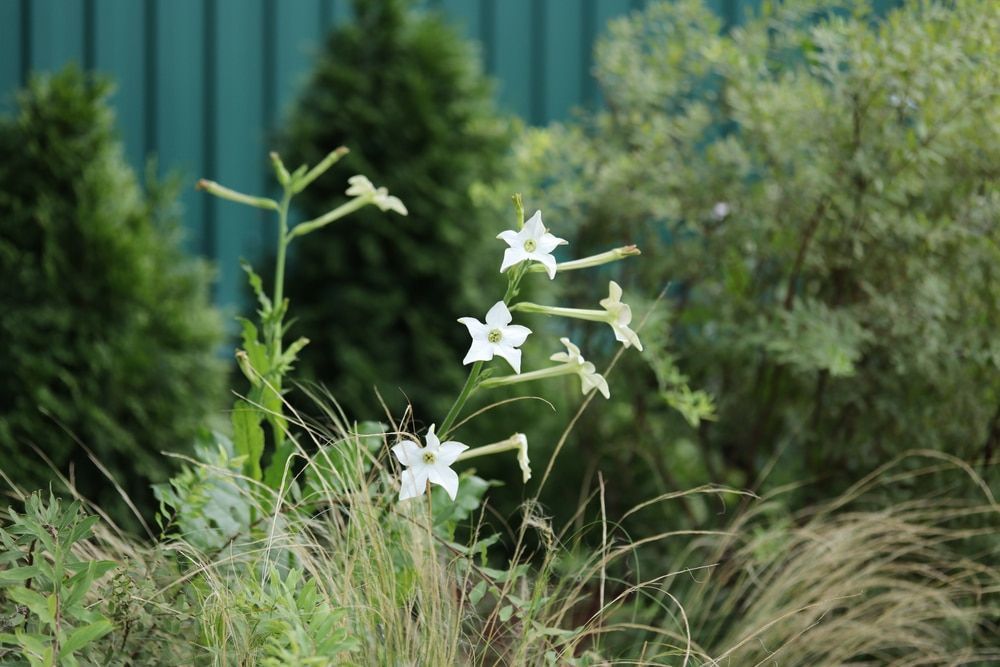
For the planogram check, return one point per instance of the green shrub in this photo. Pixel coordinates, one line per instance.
(108, 338)
(379, 300)
(820, 189)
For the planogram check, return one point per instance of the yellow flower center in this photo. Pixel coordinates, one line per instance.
(494, 336)
(429, 457)
(530, 245)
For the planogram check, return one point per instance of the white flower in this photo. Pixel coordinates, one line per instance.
(360, 186)
(430, 463)
(387, 202)
(521, 440)
(589, 377)
(518, 441)
(496, 337)
(533, 243)
(619, 316)
(721, 210)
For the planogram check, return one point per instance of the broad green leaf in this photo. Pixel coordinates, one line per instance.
(15, 574)
(33, 600)
(80, 637)
(248, 437)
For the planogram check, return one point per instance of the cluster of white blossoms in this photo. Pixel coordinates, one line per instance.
(529, 250)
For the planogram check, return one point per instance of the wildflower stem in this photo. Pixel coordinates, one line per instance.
(576, 313)
(594, 260)
(336, 214)
(540, 374)
(507, 445)
(456, 408)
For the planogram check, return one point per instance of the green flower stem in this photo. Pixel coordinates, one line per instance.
(336, 214)
(319, 169)
(576, 313)
(507, 445)
(223, 192)
(540, 374)
(588, 262)
(456, 408)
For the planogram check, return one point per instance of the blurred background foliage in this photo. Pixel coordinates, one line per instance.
(379, 297)
(819, 190)
(108, 336)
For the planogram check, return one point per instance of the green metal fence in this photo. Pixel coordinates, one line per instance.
(201, 83)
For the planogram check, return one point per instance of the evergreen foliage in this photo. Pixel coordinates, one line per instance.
(820, 188)
(108, 337)
(380, 298)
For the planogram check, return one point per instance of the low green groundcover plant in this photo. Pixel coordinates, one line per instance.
(108, 338)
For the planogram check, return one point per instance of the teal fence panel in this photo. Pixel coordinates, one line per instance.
(201, 84)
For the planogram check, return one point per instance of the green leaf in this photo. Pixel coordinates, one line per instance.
(477, 593)
(15, 574)
(248, 437)
(85, 635)
(257, 284)
(33, 600)
(256, 350)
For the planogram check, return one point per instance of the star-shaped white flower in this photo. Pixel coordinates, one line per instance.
(532, 243)
(360, 186)
(589, 377)
(496, 337)
(619, 316)
(430, 463)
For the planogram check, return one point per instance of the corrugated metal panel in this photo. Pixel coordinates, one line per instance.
(201, 83)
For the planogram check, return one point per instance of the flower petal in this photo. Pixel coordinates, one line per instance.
(548, 261)
(498, 316)
(512, 257)
(572, 349)
(534, 226)
(515, 334)
(449, 451)
(549, 242)
(408, 452)
(480, 350)
(511, 238)
(413, 482)
(626, 336)
(614, 295)
(511, 354)
(476, 328)
(431, 440)
(444, 476)
(522, 457)
(359, 185)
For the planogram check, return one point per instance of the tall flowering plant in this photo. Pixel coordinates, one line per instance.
(265, 359)
(529, 250)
